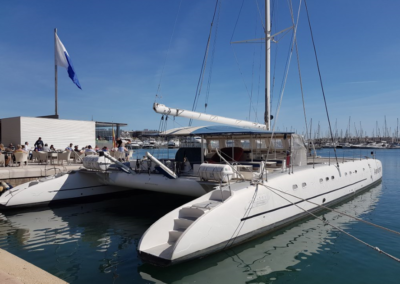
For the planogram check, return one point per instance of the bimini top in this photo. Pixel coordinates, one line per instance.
(216, 130)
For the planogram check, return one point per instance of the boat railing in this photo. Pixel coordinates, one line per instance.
(233, 168)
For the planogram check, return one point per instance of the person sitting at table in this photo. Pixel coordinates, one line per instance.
(28, 150)
(10, 148)
(46, 148)
(6, 157)
(97, 149)
(69, 148)
(27, 147)
(76, 149)
(105, 149)
(19, 150)
(52, 148)
(38, 148)
(89, 150)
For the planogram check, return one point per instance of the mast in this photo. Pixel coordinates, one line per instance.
(55, 71)
(267, 116)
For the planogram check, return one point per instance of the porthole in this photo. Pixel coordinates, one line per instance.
(363, 169)
(333, 177)
(327, 178)
(303, 184)
(345, 174)
(321, 180)
(295, 186)
(355, 171)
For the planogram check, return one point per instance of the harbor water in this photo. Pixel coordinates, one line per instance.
(96, 241)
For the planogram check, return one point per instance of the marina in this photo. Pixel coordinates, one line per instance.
(222, 191)
(97, 241)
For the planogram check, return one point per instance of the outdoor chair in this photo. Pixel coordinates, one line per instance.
(77, 157)
(64, 156)
(35, 156)
(21, 158)
(43, 157)
(2, 160)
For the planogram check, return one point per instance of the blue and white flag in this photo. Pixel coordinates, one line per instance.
(63, 59)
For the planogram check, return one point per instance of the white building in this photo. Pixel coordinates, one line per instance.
(57, 132)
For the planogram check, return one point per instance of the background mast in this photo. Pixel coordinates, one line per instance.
(55, 70)
(267, 115)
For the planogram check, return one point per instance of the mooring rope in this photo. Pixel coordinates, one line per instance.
(326, 222)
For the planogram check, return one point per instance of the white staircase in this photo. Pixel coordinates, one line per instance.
(186, 217)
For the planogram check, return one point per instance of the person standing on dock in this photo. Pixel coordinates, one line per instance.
(38, 143)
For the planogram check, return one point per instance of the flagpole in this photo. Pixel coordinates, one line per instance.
(55, 69)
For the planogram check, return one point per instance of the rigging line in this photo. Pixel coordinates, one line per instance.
(275, 59)
(166, 56)
(301, 81)
(252, 75)
(336, 227)
(285, 79)
(159, 126)
(322, 86)
(260, 15)
(234, 52)
(241, 73)
(212, 59)
(339, 212)
(237, 20)
(259, 82)
(203, 67)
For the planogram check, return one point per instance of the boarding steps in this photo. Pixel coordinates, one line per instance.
(186, 217)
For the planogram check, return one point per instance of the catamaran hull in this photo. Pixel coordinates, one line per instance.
(148, 258)
(76, 185)
(250, 211)
(159, 183)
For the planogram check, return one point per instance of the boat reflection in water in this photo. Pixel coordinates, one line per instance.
(86, 242)
(97, 242)
(266, 259)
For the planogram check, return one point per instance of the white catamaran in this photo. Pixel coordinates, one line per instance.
(248, 180)
(259, 183)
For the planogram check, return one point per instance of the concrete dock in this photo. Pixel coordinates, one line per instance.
(14, 270)
(17, 175)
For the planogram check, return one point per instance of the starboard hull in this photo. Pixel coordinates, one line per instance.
(253, 211)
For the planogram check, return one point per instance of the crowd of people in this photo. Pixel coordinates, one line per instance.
(40, 146)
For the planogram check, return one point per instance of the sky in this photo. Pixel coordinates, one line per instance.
(127, 52)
